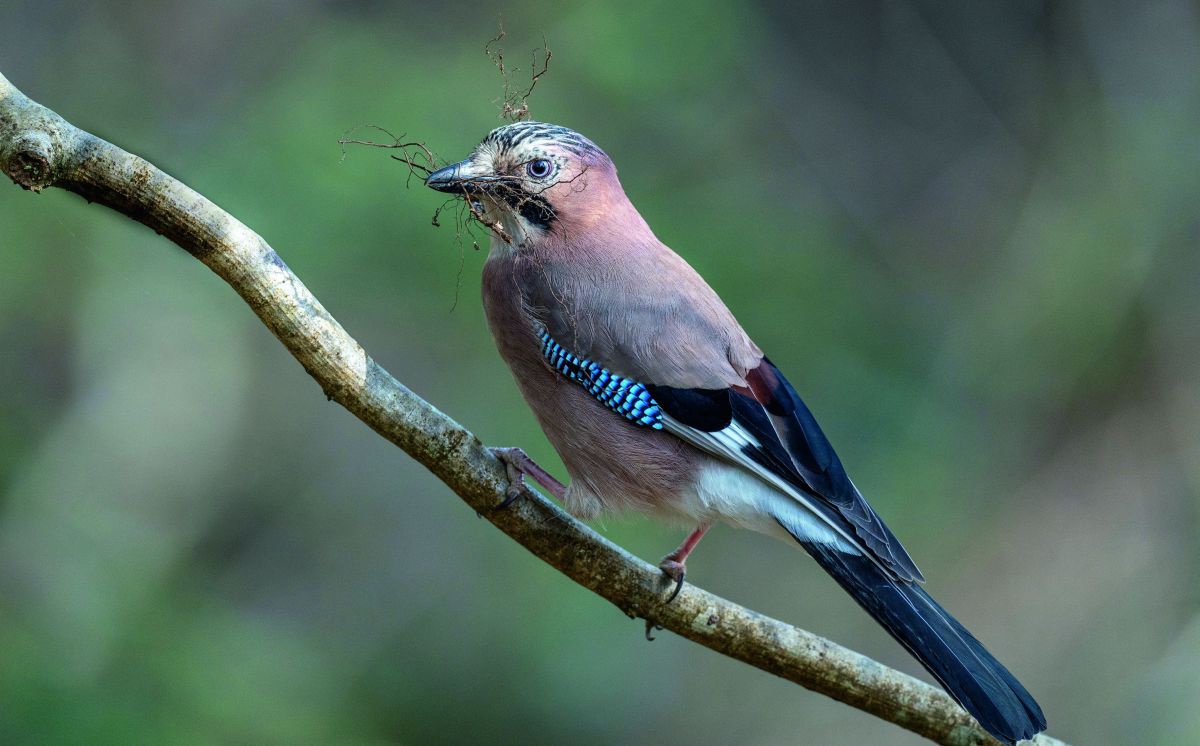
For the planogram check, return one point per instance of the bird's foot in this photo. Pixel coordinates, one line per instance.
(673, 564)
(518, 465)
(676, 571)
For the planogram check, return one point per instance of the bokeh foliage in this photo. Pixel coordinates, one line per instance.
(968, 232)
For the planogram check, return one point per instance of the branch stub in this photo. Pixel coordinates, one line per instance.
(30, 161)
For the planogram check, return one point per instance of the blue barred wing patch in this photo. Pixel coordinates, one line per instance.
(624, 396)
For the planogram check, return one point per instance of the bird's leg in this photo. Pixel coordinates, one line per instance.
(519, 465)
(674, 564)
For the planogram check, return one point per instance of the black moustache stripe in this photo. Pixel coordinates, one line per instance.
(533, 207)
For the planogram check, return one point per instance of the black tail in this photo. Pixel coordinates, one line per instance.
(947, 650)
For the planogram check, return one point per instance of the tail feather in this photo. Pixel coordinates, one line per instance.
(975, 679)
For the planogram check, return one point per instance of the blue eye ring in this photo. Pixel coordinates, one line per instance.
(539, 168)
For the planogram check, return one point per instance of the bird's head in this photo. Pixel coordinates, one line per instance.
(532, 180)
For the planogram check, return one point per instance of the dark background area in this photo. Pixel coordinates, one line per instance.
(967, 231)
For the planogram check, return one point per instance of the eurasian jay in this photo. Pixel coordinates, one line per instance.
(658, 401)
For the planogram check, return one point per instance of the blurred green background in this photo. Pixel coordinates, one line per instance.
(967, 231)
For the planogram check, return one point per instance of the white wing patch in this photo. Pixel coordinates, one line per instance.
(747, 500)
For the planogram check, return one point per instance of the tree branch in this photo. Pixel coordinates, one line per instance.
(39, 149)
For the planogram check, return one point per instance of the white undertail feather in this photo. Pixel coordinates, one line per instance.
(728, 493)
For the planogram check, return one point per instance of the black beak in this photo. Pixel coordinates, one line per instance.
(450, 178)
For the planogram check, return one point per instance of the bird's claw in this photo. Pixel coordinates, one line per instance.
(650, 627)
(517, 465)
(515, 491)
(676, 571)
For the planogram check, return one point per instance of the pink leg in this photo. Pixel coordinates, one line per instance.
(519, 465)
(674, 564)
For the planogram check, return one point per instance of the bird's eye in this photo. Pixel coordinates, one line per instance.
(539, 168)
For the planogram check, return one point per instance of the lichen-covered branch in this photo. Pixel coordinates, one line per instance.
(39, 149)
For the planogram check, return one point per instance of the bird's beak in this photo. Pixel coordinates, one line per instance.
(452, 178)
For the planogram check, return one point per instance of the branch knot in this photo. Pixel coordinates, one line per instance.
(29, 162)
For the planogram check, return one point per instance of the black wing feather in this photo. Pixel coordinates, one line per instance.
(789, 442)
(822, 470)
(708, 410)
(809, 447)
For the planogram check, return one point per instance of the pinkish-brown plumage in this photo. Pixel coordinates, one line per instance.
(603, 285)
(612, 465)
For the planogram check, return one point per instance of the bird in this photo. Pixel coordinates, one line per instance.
(657, 400)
